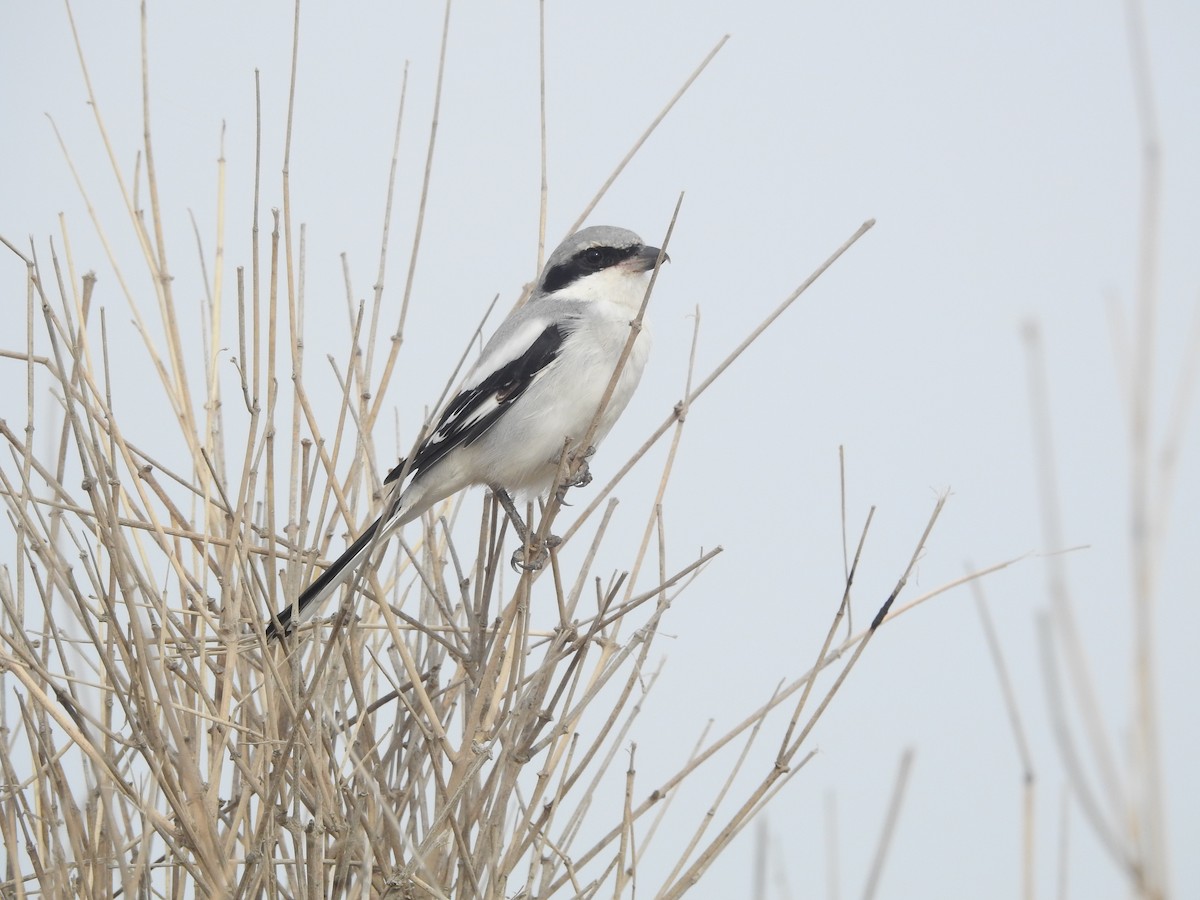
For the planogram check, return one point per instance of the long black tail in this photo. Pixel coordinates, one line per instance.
(342, 569)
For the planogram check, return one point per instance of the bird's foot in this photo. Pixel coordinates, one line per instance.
(539, 551)
(582, 476)
(539, 555)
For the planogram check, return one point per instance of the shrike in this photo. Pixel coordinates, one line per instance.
(534, 391)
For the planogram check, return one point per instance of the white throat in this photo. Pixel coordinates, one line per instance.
(616, 285)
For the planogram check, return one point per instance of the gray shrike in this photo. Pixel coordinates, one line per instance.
(536, 389)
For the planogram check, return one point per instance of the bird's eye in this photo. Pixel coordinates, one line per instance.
(594, 257)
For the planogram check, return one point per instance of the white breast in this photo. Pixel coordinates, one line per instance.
(561, 404)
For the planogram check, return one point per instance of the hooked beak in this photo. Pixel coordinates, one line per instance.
(645, 259)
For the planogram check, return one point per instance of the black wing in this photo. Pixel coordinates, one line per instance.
(475, 410)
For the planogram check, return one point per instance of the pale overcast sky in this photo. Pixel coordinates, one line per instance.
(997, 147)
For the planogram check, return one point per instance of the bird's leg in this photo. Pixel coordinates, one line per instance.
(525, 533)
(514, 516)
